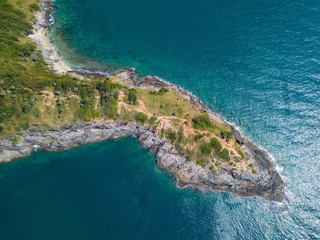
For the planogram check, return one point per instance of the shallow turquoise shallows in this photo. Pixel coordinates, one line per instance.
(257, 63)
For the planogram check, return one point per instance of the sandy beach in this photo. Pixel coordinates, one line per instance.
(39, 36)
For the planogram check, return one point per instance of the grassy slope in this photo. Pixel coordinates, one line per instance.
(32, 96)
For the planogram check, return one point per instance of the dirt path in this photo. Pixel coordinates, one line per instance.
(164, 121)
(96, 103)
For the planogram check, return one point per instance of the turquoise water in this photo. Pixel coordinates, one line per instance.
(113, 190)
(257, 63)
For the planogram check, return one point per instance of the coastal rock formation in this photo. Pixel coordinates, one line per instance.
(267, 179)
(267, 183)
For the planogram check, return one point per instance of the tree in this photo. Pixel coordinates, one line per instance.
(141, 117)
(202, 122)
(132, 98)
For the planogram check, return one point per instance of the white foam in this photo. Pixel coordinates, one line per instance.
(36, 147)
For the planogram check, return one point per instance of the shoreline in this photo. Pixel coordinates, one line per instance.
(39, 36)
(45, 20)
(267, 184)
(187, 174)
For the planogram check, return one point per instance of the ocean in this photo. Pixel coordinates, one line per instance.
(257, 63)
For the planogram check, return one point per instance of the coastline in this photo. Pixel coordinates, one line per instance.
(187, 175)
(39, 36)
(267, 183)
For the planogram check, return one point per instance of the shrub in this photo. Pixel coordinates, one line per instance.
(163, 90)
(188, 158)
(34, 7)
(224, 154)
(215, 144)
(25, 126)
(132, 97)
(202, 122)
(201, 163)
(206, 148)
(180, 134)
(171, 135)
(141, 117)
(197, 138)
(226, 134)
(16, 140)
(152, 119)
(241, 154)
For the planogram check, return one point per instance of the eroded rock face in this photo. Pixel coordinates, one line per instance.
(267, 183)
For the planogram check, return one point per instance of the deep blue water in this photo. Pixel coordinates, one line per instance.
(113, 190)
(257, 63)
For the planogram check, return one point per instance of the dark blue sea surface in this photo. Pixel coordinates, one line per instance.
(257, 63)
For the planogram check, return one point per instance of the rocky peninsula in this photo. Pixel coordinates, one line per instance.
(199, 148)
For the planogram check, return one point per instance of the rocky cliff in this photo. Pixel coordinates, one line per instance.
(266, 182)
(187, 174)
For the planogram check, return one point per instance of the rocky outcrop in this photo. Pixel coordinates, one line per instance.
(267, 183)
(154, 82)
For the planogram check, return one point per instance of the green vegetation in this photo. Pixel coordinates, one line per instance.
(202, 122)
(197, 138)
(152, 119)
(180, 135)
(34, 7)
(171, 135)
(33, 97)
(205, 148)
(132, 96)
(224, 154)
(168, 104)
(243, 157)
(16, 140)
(201, 163)
(215, 144)
(239, 151)
(141, 117)
(24, 76)
(226, 134)
(162, 91)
